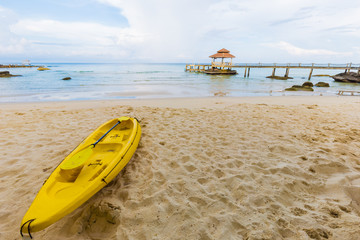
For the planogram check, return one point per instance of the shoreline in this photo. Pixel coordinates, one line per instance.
(283, 167)
(191, 102)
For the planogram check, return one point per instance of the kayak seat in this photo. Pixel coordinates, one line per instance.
(71, 167)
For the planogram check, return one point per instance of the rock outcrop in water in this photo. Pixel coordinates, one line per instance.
(299, 88)
(322, 84)
(307, 86)
(350, 77)
(279, 77)
(7, 74)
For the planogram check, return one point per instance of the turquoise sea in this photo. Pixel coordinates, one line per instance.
(120, 81)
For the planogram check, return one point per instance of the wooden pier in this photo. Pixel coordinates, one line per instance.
(216, 67)
(197, 67)
(247, 67)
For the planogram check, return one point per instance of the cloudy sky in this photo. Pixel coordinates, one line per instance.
(186, 31)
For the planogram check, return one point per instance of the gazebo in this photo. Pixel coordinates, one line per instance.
(219, 67)
(222, 53)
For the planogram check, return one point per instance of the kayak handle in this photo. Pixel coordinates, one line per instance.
(94, 144)
(30, 221)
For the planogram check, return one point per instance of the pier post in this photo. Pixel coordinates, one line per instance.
(310, 74)
(273, 72)
(245, 72)
(248, 74)
(287, 72)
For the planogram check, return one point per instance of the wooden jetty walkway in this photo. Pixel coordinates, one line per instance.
(247, 67)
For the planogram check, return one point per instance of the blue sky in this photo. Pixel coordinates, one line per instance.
(320, 31)
(67, 10)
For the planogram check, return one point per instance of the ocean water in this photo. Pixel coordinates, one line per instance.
(124, 81)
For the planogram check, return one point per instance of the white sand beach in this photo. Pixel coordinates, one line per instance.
(208, 168)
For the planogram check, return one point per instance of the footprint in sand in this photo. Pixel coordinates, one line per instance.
(99, 221)
(353, 191)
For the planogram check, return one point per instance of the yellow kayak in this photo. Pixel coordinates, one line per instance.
(86, 170)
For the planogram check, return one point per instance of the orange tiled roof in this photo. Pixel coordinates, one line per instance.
(222, 53)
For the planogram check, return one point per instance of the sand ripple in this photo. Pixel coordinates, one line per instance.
(244, 171)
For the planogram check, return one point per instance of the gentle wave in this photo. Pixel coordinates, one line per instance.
(111, 81)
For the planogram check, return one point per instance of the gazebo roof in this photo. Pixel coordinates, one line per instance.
(222, 53)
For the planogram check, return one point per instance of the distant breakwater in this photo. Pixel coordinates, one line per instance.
(17, 66)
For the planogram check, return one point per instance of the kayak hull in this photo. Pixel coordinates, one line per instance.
(85, 171)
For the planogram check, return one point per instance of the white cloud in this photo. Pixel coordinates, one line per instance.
(188, 30)
(293, 50)
(74, 33)
(174, 27)
(9, 43)
(195, 29)
(13, 46)
(47, 37)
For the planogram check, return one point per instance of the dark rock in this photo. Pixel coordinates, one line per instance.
(299, 88)
(4, 73)
(7, 74)
(322, 84)
(308, 84)
(306, 89)
(351, 77)
(279, 78)
(66, 78)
